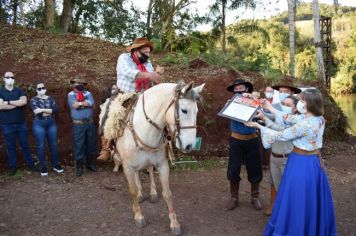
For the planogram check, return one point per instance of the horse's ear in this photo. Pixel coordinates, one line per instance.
(199, 89)
(187, 88)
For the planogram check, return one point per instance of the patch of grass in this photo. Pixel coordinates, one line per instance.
(190, 163)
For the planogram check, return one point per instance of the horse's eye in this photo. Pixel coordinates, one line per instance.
(184, 111)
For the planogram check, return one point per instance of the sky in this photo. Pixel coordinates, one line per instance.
(269, 10)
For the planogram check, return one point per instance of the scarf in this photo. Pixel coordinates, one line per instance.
(140, 83)
(79, 95)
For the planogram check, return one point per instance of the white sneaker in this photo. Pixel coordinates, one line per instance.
(58, 169)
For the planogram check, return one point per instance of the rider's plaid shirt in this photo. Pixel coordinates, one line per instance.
(126, 72)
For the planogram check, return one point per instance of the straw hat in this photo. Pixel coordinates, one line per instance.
(140, 42)
(78, 80)
(287, 82)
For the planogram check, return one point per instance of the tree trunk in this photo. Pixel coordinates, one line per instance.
(291, 26)
(318, 43)
(148, 22)
(14, 10)
(50, 13)
(66, 17)
(223, 28)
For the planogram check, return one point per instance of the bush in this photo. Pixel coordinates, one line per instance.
(345, 80)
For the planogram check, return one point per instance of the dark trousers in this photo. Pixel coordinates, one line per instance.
(11, 133)
(42, 130)
(84, 141)
(246, 151)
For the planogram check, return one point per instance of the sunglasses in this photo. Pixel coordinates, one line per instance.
(42, 88)
(9, 77)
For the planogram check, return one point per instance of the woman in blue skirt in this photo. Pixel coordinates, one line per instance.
(304, 204)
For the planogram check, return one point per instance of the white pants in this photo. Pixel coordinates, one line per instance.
(277, 166)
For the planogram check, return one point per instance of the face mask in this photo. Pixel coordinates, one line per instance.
(79, 87)
(283, 96)
(286, 110)
(269, 95)
(9, 82)
(143, 58)
(41, 92)
(301, 107)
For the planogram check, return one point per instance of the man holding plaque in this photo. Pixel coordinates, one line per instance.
(244, 146)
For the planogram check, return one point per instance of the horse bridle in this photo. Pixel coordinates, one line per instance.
(169, 135)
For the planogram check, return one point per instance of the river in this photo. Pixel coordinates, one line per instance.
(348, 106)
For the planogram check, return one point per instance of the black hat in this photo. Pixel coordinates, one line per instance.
(287, 82)
(248, 85)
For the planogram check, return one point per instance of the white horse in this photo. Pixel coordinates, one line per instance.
(163, 107)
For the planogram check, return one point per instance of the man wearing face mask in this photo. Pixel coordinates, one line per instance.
(12, 122)
(285, 88)
(81, 104)
(135, 72)
(244, 146)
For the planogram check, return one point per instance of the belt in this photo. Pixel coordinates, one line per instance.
(305, 152)
(84, 121)
(44, 118)
(280, 155)
(243, 136)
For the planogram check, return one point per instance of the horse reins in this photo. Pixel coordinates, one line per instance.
(169, 135)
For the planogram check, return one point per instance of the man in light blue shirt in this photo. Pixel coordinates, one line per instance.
(81, 104)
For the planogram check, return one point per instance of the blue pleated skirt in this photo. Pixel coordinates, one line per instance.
(304, 204)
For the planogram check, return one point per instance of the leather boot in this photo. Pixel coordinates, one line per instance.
(105, 153)
(79, 167)
(268, 211)
(234, 199)
(255, 201)
(90, 164)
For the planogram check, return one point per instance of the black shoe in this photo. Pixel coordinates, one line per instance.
(58, 169)
(13, 171)
(90, 165)
(79, 166)
(44, 171)
(31, 168)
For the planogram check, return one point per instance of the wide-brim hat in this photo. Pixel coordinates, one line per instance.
(140, 42)
(248, 85)
(287, 82)
(78, 80)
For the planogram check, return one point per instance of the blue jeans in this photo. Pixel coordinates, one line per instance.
(11, 133)
(43, 129)
(84, 141)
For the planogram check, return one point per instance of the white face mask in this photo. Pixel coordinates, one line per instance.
(301, 107)
(9, 82)
(283, 96)
(41, 92)
(269, 95)
(286, 110)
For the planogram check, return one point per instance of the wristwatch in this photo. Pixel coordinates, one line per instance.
(80, 104)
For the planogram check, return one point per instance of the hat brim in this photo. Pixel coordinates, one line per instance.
(248, 85)
(139, 45)
(294, 89)
(75, 81)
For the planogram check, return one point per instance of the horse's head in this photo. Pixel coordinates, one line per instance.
(185, 116)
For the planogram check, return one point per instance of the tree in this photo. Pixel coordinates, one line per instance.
(67, 13)
(50, 13)
(218, 11)
(291, 29)
(318, 43)
(148, 21)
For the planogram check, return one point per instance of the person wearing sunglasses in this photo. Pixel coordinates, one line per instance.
(12, 122)
(44, 127)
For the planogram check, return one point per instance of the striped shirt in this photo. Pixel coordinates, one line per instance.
(127, 71)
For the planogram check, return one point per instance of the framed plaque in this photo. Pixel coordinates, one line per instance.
(240, 108)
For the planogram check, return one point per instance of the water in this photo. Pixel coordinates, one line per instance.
(348, 106)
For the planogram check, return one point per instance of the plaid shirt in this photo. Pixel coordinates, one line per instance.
(127, 71)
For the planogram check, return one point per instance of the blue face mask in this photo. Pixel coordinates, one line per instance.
(283, 96)
(286, 110)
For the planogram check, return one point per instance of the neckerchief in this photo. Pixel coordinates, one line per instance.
(143, 83)
(79, 95)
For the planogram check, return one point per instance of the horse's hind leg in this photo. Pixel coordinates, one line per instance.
(140, 196)
(130, 176)
(117, 162)
(153, 189)
(167, 195)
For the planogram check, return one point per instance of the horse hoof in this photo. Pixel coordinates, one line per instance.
(141, 199)
(176, 231)
(153, 198)
(140, 223)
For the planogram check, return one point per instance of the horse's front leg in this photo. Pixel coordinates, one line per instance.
(117, 162)
(140, 196)
(167, 195)
(130, 176)
(153, 189)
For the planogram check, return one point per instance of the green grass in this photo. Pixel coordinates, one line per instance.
(190, 163)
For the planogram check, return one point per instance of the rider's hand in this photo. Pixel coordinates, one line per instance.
(159, 70)
(155, 78)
